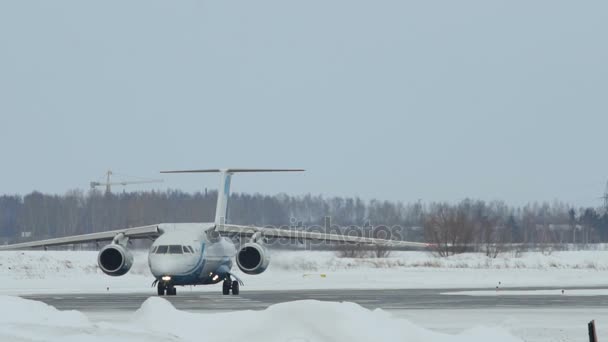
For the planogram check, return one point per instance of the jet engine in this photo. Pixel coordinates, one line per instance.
(252, 258)
(115, 260)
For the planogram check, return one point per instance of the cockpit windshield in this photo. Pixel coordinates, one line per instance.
(173, 249)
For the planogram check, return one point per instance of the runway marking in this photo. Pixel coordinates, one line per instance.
(507, 292)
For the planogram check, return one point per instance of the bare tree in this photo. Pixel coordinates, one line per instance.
(381, 251)
(449, 229)
(351, 250)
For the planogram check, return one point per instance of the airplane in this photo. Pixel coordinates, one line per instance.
(185, 254)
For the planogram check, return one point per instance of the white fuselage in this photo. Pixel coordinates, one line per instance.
(187, 256)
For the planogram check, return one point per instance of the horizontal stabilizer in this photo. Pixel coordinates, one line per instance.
(221, 209)
(233, 170)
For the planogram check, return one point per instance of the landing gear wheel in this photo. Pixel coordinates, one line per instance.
(171, 291)
(235, 287)
(226, 287)
(161, 289)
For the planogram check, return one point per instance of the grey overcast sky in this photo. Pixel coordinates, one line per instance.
(398, 100)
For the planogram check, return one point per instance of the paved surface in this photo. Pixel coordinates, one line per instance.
(411, 299)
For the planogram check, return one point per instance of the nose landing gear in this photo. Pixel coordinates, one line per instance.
(169, 289)
(230, 285)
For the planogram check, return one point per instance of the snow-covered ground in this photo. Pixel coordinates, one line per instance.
(158, 320)
(77, 271)
(71, 271)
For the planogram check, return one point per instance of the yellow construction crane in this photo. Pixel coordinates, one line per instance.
(109, 183)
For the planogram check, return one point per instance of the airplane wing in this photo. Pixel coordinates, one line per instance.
(132, 233)
(304, 235)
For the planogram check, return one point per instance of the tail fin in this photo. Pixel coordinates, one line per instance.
(221, 210)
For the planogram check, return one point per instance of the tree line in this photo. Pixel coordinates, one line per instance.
(454, 226)
(492, 227)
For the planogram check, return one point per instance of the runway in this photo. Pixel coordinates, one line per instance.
(410, 299)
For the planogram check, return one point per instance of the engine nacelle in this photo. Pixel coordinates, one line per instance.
(252, 258)
(115, 260)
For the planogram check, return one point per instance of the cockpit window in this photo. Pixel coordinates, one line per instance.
(175, 249)
(172, 249)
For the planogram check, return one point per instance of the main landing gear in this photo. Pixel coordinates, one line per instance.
(168, 288)
(230, 285)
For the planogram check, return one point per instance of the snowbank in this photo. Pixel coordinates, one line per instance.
(315, 261)
(76, 271)
(66, 271)
(158, 320)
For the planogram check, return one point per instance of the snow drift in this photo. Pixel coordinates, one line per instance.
(158, 320)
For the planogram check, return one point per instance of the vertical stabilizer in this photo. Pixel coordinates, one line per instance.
(223, 193)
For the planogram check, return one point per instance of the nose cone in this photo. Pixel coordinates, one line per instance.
(160, 268)
(167, 266)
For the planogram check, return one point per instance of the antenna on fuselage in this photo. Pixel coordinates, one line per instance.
(221, 209)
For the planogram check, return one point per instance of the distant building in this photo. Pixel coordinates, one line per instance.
(558, 227)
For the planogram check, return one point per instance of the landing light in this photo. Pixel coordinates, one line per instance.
(215, 277)
(166, 278)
